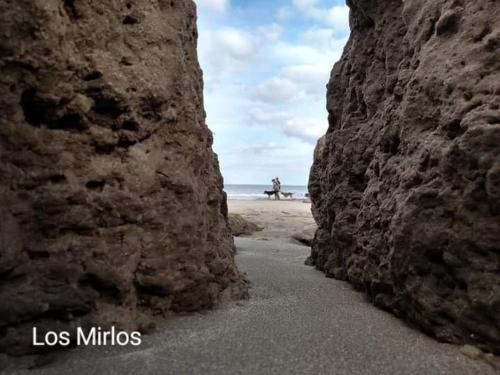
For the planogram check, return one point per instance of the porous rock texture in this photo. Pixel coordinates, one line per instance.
(241, 226)
(406, 183)
(112, 209)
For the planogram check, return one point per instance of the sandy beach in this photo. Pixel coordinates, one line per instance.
(280, 219)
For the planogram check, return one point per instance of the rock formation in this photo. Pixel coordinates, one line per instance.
(406, 183)
(112, 210)
(241, 226)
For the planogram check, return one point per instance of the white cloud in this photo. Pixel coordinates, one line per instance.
(284, 13)
(292, 101)
(306, 129)
(265, 117)
(295, 53)
(278, 90)
(319, 37)
(218, 5)
(305, 5)
(262, 148)
(312, 78)
(270, 33)
(305, 68)
(227, 49)
(235, 43)
(336, 17)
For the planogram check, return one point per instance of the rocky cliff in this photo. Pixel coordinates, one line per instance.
(406, 183)
(112, 210)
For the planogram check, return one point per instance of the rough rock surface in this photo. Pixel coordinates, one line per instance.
(406, 182)
(305, 236)
(241, 226)
(111, 202)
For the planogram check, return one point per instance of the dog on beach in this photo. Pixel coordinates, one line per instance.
(269, 193)
(287, 195)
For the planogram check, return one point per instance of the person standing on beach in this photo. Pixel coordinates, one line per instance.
(276, 188)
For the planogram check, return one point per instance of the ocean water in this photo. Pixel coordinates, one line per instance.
(252, 192)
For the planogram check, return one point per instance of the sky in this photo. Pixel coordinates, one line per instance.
(266, 64)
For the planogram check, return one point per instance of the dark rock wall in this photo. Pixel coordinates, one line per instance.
(406, 183)
(111, 202)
